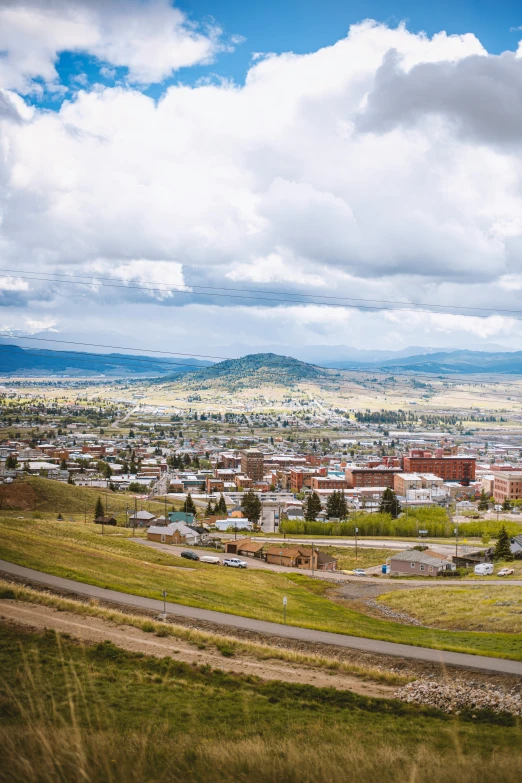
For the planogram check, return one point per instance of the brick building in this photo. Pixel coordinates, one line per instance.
(371, 477)
(448, 468)
(507, 485)
(327, 482)
(253, 464)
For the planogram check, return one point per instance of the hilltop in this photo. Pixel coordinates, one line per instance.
(256, 370)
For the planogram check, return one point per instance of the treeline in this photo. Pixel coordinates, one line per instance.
(437, 524)
(399, 417)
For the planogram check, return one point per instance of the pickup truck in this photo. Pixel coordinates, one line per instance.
(234, 562)
(506, 572)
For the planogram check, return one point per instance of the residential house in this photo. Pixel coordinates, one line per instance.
(141, 518)
(176, 533)
(244, 547)
(300, 557)
(414, 563)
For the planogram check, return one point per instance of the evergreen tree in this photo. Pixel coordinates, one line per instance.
(336, 505)
(186, 460)
(502, 547)
(63, 464)
(312, 507)
(209, 511)
(221, 506)
(506, 505)
(390, 503)
(189, 506)
(195, 462)
(99, 510)
(251, 506)
(483, 502)
(11, 462)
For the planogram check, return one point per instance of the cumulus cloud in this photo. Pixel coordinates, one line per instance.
(150, 38)
(365, 169)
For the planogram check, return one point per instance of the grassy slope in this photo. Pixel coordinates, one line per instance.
(470, 608)
(97, 713)
(78, 551)
(45, 495)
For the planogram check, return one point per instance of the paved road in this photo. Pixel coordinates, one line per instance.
(443, 657)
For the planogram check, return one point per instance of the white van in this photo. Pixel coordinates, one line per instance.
(484, 569)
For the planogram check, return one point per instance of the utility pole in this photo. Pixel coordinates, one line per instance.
(356, 531)
(456, 542)
(312, 558)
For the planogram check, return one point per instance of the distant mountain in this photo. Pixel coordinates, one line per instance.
(256, 370)
(464, 362)
(37, 362)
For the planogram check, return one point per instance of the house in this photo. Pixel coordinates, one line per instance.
(105, 520)
(181, 516)
(141, 518)
(414, 563)
(472, 559)
(244, 547)
(300, 557)
(176, 533)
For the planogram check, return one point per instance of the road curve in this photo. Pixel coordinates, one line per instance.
(443, 657)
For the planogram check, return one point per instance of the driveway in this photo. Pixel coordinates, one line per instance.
(443, 657)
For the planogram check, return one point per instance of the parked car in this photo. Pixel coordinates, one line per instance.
(483, 569)
(359, 572)
(234, 562)
(210, 559)
(190, 555)
(506, 572)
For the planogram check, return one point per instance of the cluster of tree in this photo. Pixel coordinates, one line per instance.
(11, 462)
(336, 506)
(219, 509)
(251, 507)
(390, 503)
(181, 462)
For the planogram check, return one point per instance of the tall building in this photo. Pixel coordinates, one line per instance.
(253, 464)
(507, 485)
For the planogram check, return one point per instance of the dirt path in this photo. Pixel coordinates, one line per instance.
(94, 629)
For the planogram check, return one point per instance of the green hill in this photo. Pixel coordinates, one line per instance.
(40, 494)
(255, 370)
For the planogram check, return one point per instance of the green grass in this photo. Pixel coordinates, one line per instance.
(80, 552)
(102, 715)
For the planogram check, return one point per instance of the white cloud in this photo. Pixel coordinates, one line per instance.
(149, 37)
(277, 181)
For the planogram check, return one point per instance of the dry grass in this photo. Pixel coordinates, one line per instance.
(484, 608)
(199, 638)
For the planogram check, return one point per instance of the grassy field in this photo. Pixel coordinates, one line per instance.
(35, 493)
(98, 714)
(481, 608)
(81, 552)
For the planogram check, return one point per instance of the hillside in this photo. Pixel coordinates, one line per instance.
(256, 370)
(36, 362)
(40, 494)
(445, 362)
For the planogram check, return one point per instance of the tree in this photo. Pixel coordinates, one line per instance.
(336, 505)
(188, 505)
(209, 510)
(390, 503)
(483, 502)
(221, 506)
(251, 506)
(312, 507)
(11, 462)
(63, 464)
(506, 505)
(502, 549)
(99, 510)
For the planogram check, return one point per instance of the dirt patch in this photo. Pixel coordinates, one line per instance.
(93, 630)
(18, 496)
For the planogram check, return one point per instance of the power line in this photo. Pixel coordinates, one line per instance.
(412, 307)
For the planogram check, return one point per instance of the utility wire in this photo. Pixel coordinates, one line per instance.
(412, 307)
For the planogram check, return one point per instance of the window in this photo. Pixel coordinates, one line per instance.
(413, 565)
(422, 567)
(430, 568)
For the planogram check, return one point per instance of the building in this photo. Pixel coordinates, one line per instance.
(404, 482)
(300, 557)
(371, 477)
(176, 533)
(460, 469)
(233, 523)
(327, 482)
(141, 518)
(415, 563)
(215, 485)
(253, 464)
(507, 485)
(182, 516)
(244, 547)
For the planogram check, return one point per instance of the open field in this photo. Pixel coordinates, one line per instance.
(80, 552)
(481, 608)
(98, 713)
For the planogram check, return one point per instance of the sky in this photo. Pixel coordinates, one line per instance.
(223, 177)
